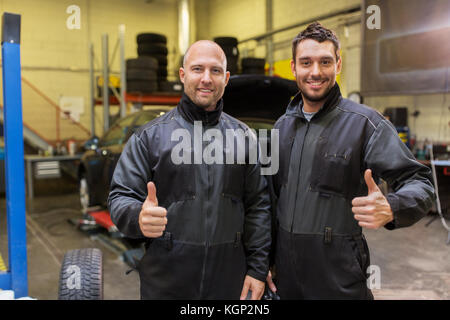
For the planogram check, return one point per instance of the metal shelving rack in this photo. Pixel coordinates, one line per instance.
(122, 99)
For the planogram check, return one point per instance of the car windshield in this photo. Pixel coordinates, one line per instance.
(118, 131)
(258, 124)
(149, 115)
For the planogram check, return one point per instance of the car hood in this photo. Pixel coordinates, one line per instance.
(258, 96)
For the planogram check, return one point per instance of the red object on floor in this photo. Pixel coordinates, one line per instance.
(103, 219)
(447, 171)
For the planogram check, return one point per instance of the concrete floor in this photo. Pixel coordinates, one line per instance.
(50, 236)
(414, 263)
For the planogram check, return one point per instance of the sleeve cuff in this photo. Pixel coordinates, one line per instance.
(257, 276)
(393, 201)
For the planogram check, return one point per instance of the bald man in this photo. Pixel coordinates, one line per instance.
(206, 221)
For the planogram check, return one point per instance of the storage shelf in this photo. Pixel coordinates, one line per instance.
(158, 98)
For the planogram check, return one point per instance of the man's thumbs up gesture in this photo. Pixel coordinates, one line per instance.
(372, 211)
(152, 219)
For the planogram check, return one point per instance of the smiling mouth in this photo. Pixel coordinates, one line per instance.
(315, 83)
(207, 91)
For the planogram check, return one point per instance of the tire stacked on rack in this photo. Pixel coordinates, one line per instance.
(154, 45)
(253, 66)
(142, 75)
(171, 86)
(229, 46)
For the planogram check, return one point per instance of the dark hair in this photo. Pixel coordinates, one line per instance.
(316, 32)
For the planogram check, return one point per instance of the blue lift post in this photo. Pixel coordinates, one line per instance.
(16, 276)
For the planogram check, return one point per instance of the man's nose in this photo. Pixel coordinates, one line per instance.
(315, 70)
(206, 76)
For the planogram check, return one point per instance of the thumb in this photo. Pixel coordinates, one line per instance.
(371, 185)
(270, 283)
(245, 288)
(151, 196)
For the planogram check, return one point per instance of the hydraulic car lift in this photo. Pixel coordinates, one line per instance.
(97, 220)
(16, 277)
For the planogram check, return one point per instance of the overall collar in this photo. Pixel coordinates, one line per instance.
(191, 112)
(295, 106)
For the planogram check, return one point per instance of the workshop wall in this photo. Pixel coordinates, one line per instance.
(433, 122)
(245, 19)
(56, 61)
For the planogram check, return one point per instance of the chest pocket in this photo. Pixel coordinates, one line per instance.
(332, 172)
(234, 180)
(174, 182)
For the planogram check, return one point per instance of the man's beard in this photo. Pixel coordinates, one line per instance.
(319, 98)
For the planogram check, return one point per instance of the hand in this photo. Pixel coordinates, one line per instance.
(152, 219)
(256, 286)
(372, 211)
(270, 282)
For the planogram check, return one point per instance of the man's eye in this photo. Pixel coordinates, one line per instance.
(326, 62)
(305, 63)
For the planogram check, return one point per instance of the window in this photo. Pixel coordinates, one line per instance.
(117, 133)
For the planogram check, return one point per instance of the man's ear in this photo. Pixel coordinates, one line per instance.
(293, 68)
(339, 65)
(227, 77)
(182, 74)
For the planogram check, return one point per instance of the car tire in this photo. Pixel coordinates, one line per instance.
(83, 188)
(142, 74)
(144, 62)
(253, 63)
(226, 41)
(139, 86)
(152, 48)
(162, 59)
(170, 86)
(162, 72)
(230, 52)
(151, 38)
(81, 276)
(253, 71)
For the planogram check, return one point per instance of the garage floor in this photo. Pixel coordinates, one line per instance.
(414, 262)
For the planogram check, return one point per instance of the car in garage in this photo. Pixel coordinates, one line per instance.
(254, 99)
(98, 162)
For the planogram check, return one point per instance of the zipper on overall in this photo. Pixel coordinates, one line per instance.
(207, 244)
(298, 176)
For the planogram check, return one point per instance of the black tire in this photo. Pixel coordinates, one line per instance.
(231, 51)
(233, 70)
(232, 64)
(162, 59)
(226, 41)
(253, 71)
(151, 38)
(141, 74)
(170, 86)
(137, 86)
(152, 48)
(86, 200)
(144, 62)
(162, 72)
(253, 63)
(81, 276)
